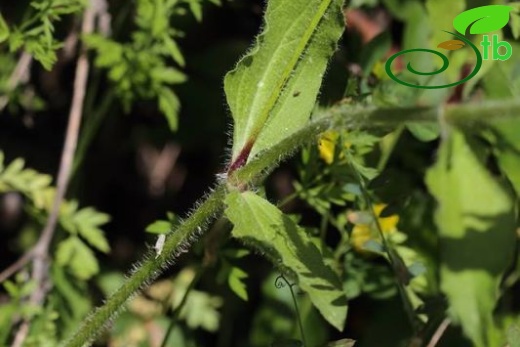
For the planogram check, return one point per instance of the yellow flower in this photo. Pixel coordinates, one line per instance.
(327, 145)
(379, 71)
(362, 233)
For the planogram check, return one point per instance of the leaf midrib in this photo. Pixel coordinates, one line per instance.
(264, 114)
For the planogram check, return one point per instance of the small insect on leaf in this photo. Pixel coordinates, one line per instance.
(451, 45)
(159, 244)
(296, 94)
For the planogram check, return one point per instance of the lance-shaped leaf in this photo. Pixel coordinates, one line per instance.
(476, 223)
(273, 89)
(258, 222)
(4, 29)
(483, 19)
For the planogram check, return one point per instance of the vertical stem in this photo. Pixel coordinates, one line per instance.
(295, 302)
(299, 316)
(40, 252)
(439, 332)
(393, 258)
(92, 127)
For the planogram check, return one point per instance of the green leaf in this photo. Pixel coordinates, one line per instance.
(159, 227)
(359, 3)
(259, 222)
(507, 150)
(515, 21)
(4, 29)
(42, 51)
(8, 310)
(168, 75)
(169, 104)
(441, 14)
(196, 9)
(483, 19)
(272, 91)
(287, 343)
(374, 246)
(159, 18)
(16, 40)
(236, 284)
(502, 79)
(78, 257)
(83, 263)
(14, 168)
(77, 303)
(342, 343)
(2, 158)
(65, 251)
(11, 288)
(174, 51)
(417, 269)
(109, 53)
(424, 132)
(200, 309)
(91, 217)
(513, 336)
(476, 224)
(95, 237)
(86, 222)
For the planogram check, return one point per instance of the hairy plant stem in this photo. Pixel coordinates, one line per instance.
(339, 117)
(176, 243)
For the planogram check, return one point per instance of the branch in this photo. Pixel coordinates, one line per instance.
(17, 266)
(439, 332)
(19, 75)
(342, 116)
(39, 253)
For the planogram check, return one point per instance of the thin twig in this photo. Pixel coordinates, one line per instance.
(40, 256)
(279, 284)
(439, 332)
(393, 258)
(17, 266)
(19, 75)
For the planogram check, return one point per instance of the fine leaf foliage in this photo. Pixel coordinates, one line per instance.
(476, 221)
(257, 221)
(36, 35)
(4, 29)
(272, 90)
(78, 257)
(73, 252)
(140, 69)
